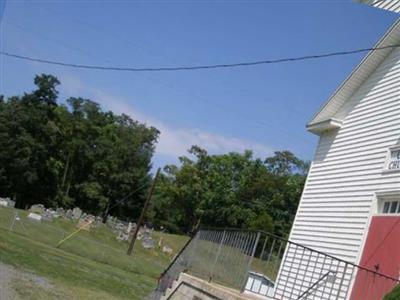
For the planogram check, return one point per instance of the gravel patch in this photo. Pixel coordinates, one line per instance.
(9, 276)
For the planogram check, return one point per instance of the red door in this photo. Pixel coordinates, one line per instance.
(382, 254)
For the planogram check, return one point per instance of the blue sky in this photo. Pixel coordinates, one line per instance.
(264, 108)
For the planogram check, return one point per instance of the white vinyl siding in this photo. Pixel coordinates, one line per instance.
(348, 167)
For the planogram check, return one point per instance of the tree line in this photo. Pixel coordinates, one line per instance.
(76, 154)
(230, 190)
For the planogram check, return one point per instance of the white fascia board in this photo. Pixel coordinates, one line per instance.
(364, 69)
(319, 127)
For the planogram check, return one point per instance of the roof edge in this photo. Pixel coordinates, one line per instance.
(314, 120)
(322, 126)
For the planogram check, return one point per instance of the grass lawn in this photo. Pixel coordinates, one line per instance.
(394, 294)
(91, 265)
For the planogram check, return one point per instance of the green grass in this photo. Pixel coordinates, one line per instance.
(394, 294)
(91, 265)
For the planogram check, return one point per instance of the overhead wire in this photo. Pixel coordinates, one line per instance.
(118, 202)
(214, 105)
(195, 67)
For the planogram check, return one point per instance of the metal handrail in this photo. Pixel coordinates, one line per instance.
(231, 253)
(307, 248)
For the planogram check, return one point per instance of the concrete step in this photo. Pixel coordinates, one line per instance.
(169, 291)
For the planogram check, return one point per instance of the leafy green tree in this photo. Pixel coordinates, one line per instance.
(76, 154)
(263, 222)
(28, 155)
(72, 155)
(230, 190)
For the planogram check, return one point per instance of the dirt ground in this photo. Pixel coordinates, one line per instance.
(17, 284)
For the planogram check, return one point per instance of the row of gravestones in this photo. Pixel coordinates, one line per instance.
(38, 212)
(7, 202)
(123, 230)
(49, 214)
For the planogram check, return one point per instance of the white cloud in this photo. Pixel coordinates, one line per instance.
(173, 142)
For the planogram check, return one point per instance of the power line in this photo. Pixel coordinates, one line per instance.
(214, 105)
(198, 67)
(121, 201)
(135, 44)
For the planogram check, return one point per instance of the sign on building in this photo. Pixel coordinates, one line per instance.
(393, 159)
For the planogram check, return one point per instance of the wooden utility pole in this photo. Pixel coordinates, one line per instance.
(141, 218)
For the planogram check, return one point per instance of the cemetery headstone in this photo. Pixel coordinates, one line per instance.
(48, 215)
(84, 224)
(7, 202)
(76, 213)
(37, 208)
(34, 217)
(130, 227)
(167, 250)
(122, 236)
(68, 214)
(60, 212)
(148, 243)
(11, 203)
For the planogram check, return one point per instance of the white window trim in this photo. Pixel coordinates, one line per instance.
(381, 198)
(388, 154)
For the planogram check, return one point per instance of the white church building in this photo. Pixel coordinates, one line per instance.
(350, 206)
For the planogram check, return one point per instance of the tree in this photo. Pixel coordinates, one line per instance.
(29, 145)
(46, 91)
(79, 155)
(286, 163)
(72, 155)
(230, 190)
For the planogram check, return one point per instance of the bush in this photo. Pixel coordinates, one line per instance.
(394, 294)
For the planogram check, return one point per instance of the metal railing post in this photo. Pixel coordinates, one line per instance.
(217, 256)
(341, 282)
(253, 252)
(263, 247)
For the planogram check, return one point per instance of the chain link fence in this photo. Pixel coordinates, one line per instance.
(258, 263)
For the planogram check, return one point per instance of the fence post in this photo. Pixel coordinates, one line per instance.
(263, 247)
(253, 252)
(341, 282)
(190, 254)
(217, 256)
